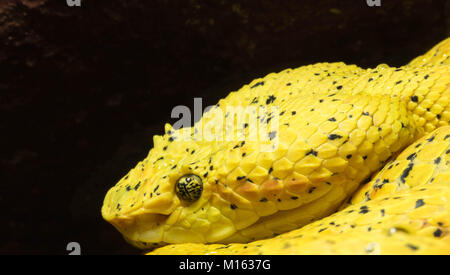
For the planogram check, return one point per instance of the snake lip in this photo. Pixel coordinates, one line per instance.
(143, 229)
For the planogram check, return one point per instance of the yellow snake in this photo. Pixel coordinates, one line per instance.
(303, 184)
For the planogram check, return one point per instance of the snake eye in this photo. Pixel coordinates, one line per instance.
(189, 187)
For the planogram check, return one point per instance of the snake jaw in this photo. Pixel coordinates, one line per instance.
(143, 231)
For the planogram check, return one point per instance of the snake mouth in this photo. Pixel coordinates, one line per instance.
(144, 230)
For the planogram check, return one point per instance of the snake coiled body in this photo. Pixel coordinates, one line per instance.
(337, 125)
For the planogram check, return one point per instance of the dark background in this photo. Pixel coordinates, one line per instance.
(83, 90)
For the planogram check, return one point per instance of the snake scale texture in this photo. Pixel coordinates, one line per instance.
(356, 161)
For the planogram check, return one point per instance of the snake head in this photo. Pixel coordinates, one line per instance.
(166, 198)
(186, 191)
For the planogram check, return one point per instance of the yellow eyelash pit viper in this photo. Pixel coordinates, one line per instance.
(356, 161)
